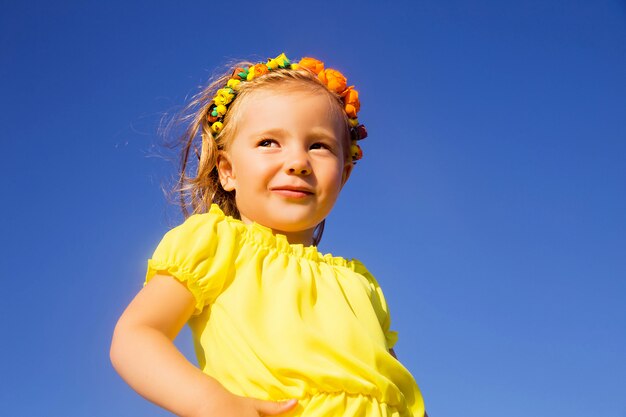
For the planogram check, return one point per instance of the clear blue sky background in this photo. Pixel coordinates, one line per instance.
(491, 203)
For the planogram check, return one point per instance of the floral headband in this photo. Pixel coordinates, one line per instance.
(332, 79)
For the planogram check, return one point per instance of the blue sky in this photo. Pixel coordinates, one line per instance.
(491, 202)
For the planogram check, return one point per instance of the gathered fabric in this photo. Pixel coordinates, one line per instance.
(276, 321)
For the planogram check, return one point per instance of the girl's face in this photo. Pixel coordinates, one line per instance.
(287, 161)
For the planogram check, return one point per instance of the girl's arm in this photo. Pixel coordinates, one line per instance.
(143, 353)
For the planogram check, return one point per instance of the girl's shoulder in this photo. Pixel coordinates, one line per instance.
(198, 234)
(197, 252)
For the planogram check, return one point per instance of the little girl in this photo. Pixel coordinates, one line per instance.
(279, 328)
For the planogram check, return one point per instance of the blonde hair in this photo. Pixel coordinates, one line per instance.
(198, 184)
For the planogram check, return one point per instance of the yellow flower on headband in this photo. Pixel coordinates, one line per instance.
(356, 152)
(233, 83)
(217, 127)
(282, 60)
(224, 96)
(220, 109)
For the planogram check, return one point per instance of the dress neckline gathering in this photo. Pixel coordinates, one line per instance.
(265, 237)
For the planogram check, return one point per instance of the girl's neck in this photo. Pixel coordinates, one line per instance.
(303, 237)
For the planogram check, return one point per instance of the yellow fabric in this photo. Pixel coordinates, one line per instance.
(277, 321)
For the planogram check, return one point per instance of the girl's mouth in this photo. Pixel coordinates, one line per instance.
(292, 192)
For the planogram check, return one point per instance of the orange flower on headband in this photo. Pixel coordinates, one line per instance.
(257, 70)
(351, 100)
(333, 79)
(312, 65)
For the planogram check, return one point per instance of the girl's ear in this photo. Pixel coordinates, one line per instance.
(225, 171)
(347, 170)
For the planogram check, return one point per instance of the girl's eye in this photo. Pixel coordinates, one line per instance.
(320, 145)
(267, 143)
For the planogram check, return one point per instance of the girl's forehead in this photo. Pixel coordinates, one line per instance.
(289, 90)
(277, 107)
(282, 95)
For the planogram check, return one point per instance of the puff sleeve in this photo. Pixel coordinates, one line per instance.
(379, 304)
(198, 253)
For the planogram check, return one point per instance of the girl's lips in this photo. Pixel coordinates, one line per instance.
(290, 192)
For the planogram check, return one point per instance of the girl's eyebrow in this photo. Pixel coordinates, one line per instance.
(322, 134)
(278, 131)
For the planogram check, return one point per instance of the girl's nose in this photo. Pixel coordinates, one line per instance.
(300, 171)
(298, 165)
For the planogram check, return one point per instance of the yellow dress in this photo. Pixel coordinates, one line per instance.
(276, 321)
